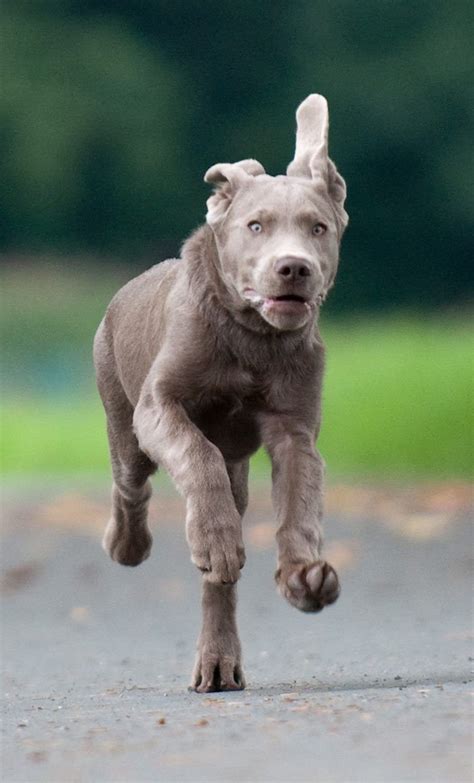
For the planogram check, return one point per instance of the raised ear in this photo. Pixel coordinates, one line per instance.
(228, 177)
(337, 190)
(311, 152)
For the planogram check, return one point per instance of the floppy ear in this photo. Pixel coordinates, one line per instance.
(311, 154)
(228, 177)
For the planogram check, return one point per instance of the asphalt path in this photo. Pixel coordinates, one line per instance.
(97, 657)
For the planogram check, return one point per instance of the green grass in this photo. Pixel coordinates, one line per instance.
(397, 396)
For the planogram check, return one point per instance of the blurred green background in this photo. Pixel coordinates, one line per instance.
(111, 112)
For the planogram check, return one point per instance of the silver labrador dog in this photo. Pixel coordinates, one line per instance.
(202, 359)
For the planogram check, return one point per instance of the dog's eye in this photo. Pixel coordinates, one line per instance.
(255, 226)
(318, 229)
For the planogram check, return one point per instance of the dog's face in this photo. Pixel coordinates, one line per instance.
(278, 237)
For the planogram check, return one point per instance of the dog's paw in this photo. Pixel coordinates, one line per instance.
(217, 672)
(309, 587)
(218, 551)
(125, 546)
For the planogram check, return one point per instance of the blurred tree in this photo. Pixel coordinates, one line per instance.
(111, 112)
(93, 131)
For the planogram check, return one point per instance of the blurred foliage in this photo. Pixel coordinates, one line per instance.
(110, 113)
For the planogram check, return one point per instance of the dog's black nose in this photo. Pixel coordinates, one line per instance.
(292, 268)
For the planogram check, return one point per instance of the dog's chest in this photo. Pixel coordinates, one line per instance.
(231, 424)
(226, 410)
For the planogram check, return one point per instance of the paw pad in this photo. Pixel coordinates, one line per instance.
(309, 587)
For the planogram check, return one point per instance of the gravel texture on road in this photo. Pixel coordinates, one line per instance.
(97, 657)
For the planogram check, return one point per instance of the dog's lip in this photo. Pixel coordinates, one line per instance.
(288, 303)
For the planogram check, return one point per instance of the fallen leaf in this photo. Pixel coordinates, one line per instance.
(421, 526)
(216, 702)
(261, 535)
(341, 553)
(19, 577)
(73, 511)
(289, 696)
(37, 756)
(80, 614)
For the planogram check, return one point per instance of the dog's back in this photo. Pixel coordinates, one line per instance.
(130, 334)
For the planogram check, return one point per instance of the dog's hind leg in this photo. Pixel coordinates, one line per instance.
(239, 477)
(127, 538)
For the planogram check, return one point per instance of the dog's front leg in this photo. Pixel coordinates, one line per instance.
(306, 581)
(218, 663)
(213, 524)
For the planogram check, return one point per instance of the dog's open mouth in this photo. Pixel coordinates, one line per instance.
(289, 298)
(286, 304)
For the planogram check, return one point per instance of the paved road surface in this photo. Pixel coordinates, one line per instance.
(97, 657)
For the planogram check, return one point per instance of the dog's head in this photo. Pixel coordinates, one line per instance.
(278, 237)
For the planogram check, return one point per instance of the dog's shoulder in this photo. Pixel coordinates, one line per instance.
(141, 291)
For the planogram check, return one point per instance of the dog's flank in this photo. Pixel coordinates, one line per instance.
(202, 359)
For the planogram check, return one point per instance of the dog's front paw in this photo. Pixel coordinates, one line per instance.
(217, 550)
(217, 672)
(125, 546)
(310, 586)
